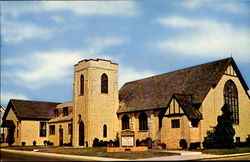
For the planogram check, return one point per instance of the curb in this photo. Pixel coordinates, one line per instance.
(82, 157)
(228, 155)
(76, 157)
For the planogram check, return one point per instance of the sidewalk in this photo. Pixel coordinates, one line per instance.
(184, 155)
(189, 155)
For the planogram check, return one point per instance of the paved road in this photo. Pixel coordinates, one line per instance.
(247, 157)
(9, 156)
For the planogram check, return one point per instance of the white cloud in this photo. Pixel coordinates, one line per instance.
(43, 68)
(127, 74)
(58, 19)
(6, 96)
(206, 37)
(14, 32)
(237, 7)
(105, 8)
(56, 67)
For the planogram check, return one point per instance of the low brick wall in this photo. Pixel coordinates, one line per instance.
(123, 149)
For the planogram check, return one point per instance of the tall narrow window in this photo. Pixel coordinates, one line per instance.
(42, 129)
(160, 117)
(56, 113)
(143, 122)
(70, 128)
(105, 130)
(65, 111)
(231, 98)
(175, 123)
(104, 83)
(125, 122)
(82, 85)
(52, 129)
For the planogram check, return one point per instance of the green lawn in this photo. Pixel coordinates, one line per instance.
(97, 151)
(227, 151)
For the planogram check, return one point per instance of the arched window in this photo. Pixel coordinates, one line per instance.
(125, 122)
(143, 122)
(104, 83)
(160, 117)
(231, 98)
(105, 130)
(81, 85)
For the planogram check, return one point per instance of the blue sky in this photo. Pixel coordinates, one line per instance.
(42, 40)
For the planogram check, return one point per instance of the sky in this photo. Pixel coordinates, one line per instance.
(41, 41)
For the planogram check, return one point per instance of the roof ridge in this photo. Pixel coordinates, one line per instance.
(180, 70)
(32, 100)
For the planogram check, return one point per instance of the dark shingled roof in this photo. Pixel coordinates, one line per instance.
(186, 103)
(31, 110)
(156, 92)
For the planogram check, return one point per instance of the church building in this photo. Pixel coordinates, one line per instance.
(183, 104)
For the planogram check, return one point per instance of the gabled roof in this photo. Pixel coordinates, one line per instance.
(62, 118)
(31, 110)
(186, 103)
(156, 92)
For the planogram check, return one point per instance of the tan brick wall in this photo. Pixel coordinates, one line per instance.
(55, 138)
(31, 131)
(95, 108)
(11, 116)
(211, 108)
(153, 128)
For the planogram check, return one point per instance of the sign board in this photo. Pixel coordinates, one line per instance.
(127, 138)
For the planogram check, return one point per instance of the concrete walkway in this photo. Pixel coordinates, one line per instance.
(189, 155)
(183, 155)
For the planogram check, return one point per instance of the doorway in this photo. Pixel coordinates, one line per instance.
(61, 137)
(81, 134)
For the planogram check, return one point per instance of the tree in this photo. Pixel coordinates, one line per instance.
(223, 133)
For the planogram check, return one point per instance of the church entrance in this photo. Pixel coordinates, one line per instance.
(61, 137)
(81, 134)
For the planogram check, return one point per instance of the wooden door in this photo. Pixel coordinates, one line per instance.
(81, 134)
(61, 137)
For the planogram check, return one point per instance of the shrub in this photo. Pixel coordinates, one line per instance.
(117, 143)
(101, 143)
(105, 143)
(137, 143)
(144, 143)
(241, 144)
(96, 142)
(222, 135)
(23, 143)
(149, 142)
(110, 143)
(34, 143)
(195, 145)
(183, 144)
(162, 145)
(67, 144)
(45, 142)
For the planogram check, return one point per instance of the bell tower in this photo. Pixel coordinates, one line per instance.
(95, 99)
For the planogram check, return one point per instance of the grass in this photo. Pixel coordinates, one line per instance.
(96, 151)
(227, 151)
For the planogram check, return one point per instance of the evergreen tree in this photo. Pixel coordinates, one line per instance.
(223, 133)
